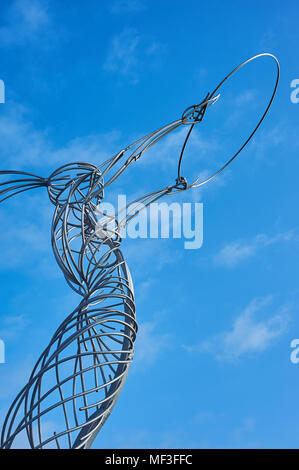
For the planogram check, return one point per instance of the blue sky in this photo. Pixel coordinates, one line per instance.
(83, 79)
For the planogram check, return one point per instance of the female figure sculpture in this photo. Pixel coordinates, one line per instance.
(79, 376)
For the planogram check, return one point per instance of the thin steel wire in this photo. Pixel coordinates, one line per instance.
(77, 379)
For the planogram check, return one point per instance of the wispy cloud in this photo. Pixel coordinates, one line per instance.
(246, 97)
(24, 20)
(157, 254)
(26, 242)
(127, 53)
(234, 253)
(122, 55)
(249, 334)
(23, 146)
(150, 343)
(237, 107)
(247, 426)
(127, 6)
(268, 140)
(199, 151)
(20, 142)
(12, 326)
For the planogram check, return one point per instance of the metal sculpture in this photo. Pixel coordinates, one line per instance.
(79, 376)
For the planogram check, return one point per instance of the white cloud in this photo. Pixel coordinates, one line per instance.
(156, 255)
(199, 152)
(122, 56)
(247, 426)
(23, 146)
(246, 97)
(234, 253)
(150, 343)
(12, 326)
(24, 241)
(266, 141)
(237, 108)
(19, 142)
(92, 148)
(127, 52)
(24, 20)
(249, 334)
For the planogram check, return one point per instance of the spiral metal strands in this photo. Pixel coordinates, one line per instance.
(77, 379)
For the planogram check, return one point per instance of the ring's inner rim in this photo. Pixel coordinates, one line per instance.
(195, 183)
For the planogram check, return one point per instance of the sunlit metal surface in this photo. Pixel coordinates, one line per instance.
(78, 377)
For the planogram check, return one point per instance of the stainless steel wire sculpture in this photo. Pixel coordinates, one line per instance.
(80, 374)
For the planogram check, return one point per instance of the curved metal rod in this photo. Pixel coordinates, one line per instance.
(195, 183)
